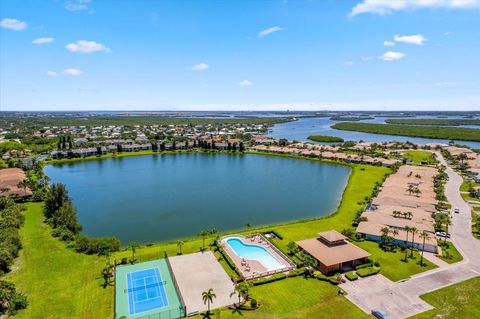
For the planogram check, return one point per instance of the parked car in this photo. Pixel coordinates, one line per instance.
(442, 234)
(457, 210)
(380, 314)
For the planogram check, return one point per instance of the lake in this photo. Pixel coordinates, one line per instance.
(171, 196)
(302, 128)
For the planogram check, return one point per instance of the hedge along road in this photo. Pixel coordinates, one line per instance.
(402, 299)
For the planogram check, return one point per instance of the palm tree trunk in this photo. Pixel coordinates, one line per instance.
(413, 245)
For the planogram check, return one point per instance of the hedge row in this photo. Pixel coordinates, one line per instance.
(351, 276)
(267, 280)
(318, 275)
(365, 272)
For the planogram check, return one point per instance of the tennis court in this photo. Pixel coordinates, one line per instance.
(146, 291)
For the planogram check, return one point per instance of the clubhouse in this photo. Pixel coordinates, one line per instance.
(333, 252)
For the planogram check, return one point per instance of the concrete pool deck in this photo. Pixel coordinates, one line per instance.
(251, 268)
(196, 273)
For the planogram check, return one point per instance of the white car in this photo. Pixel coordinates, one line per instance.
(442, 234)
(457, 210)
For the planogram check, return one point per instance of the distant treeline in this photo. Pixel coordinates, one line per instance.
(448, 133)
(325, 139)
(97, 120)
(448, 122)
(350, 118)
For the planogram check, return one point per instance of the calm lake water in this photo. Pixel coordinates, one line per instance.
(304, 127)
(166, 197)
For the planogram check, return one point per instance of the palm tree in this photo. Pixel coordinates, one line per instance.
(208, 297)
(424, 235)
(407, 230)
(23, 184)
(410, 189)
(414, 231)
(248, 225)
(385, 231)
(180, 244)
(417, 191)
(242, 290)
(133, 246)
(203, 233)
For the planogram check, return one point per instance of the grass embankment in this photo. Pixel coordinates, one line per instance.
(325, 139)
(296, 298)
(350, 118)
(450, 254)
(58, 282)
(113, 155)
(447, 122)
(420, 157)
(391, 263)
(449, 133)
(455, 302)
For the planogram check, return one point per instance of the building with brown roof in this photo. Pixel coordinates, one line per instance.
(9, 180)
(333, 252)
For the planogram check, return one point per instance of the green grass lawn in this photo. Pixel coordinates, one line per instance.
(63, 284)
(454, 255)
(391, 263)
(418, 157)
(59, 283)
(296, 298)
(455, 302)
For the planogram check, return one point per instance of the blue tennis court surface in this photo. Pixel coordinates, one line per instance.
(146, 291)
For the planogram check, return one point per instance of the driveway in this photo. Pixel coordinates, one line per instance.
(402, 299)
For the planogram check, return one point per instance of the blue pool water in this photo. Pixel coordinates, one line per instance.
(254, 252)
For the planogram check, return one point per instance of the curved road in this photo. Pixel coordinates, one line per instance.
(401, 299)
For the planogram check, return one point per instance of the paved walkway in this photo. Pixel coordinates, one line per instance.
(402, 299)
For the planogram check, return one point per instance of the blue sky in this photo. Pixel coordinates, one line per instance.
(245, 54)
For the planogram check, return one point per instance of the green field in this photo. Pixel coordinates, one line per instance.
(325, 139)
(419, 157)
(59, 283)
(449, 133)
(296, 298)
(455, 302)
(449, 122)
(391, 264)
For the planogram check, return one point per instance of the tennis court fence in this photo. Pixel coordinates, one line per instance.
(166, 314)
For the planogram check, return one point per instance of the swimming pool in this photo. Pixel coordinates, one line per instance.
(254, 252)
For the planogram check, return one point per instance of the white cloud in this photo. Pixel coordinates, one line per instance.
(392, 56)
(83, 46)
(245, 83)
(348, 63)
(390, 6)
(200, 67)
(72, 72)
(388, 43)
(52, 74)
(43, 40)
(13, 24)
(448, 33)
(268, 31)
(417, 39)
(367, 58)
(78, 5)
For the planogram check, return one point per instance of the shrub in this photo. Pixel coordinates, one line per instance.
(267, 280)
(351, 276)
(363, 266)
(365, 272)
(96, 245)
(296, 272)
(253, 303)
(331, 279)
(11, 300)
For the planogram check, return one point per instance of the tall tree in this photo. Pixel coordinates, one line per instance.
(207, 297)
(424, 235)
